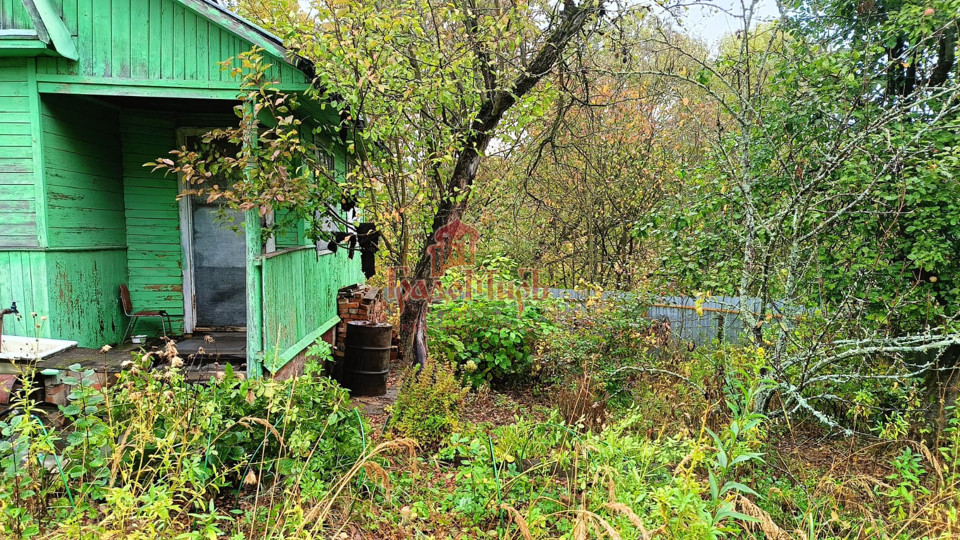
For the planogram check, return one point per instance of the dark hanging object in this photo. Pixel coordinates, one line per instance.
(340, 237)
(369, 245)
(353, 246)
(333, 246)
(347, 203)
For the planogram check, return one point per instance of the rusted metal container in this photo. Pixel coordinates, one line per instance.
(366, 360)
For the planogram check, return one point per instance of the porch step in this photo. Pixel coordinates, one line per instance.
(214, 345)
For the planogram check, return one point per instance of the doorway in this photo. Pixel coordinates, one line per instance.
(214, 269)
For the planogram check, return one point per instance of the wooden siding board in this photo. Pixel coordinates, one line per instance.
(139, 38)
(13, 16)
(166, 40)
(179, 44)
(300, 295)
(18, 164)
(101, 44)
(213, 65)
(83, 182)
(152, 217)
(23, 280)
(190, 37)
(14, 104)
(84, 296)
(120, 33)
(68, 10)
(203, 49)
(155, 34)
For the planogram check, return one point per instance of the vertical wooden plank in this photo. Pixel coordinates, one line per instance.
(213, 63)
(251, 225)
(120, 37)
(226, 52)
(70, 16)
(40, 196)
(237, 47)
(6, 285)
(27, 296)
(179, 39)
(16, 282)
(102, 29)
(190, 45)
(140, 42)
(85, 35)
(4, 271)
(155, 39)
(203, 42)
(34, 294)
(166, 43)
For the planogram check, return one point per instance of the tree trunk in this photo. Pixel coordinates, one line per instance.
(413, 316)
(417, 287)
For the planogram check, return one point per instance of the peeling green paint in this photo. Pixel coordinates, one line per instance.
(300, 297)
(79, 214)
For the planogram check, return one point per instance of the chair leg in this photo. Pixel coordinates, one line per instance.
(163, 326)
(130, 327)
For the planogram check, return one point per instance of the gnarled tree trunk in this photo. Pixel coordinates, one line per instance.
(413, 316)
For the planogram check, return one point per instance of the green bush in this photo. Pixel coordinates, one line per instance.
(488, 340)
(428, 405)
(153, 451)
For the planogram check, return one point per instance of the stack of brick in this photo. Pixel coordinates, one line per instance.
(359, 303)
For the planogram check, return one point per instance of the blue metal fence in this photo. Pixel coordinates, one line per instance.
(717, 319)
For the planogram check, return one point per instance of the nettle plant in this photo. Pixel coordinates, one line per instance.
(272, 161)
(490, 336)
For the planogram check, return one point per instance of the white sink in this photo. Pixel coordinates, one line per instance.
(24, 348)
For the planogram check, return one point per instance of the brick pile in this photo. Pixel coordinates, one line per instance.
(361, 303)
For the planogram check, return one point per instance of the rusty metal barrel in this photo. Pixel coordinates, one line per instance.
(366, 359)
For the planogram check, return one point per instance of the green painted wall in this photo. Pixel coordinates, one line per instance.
(78, 261)
(14, 16)
(23, 279)
(85, 230)
(84, 302)
(82, 173)
(18, 192)
(154, 41)
(76, 290)
(299, 296)
(154, 256)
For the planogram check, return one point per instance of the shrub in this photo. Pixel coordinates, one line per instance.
(152, 451)
(488, 340)
(428, 405)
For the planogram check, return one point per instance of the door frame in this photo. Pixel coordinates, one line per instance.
(186, 237)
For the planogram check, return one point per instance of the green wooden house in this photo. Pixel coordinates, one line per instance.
(90, 90)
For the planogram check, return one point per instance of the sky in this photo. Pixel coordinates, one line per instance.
(711, 24)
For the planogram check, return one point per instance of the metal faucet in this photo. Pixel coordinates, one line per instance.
(12, 310)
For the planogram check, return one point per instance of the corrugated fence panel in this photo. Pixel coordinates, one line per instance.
(718, 319)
